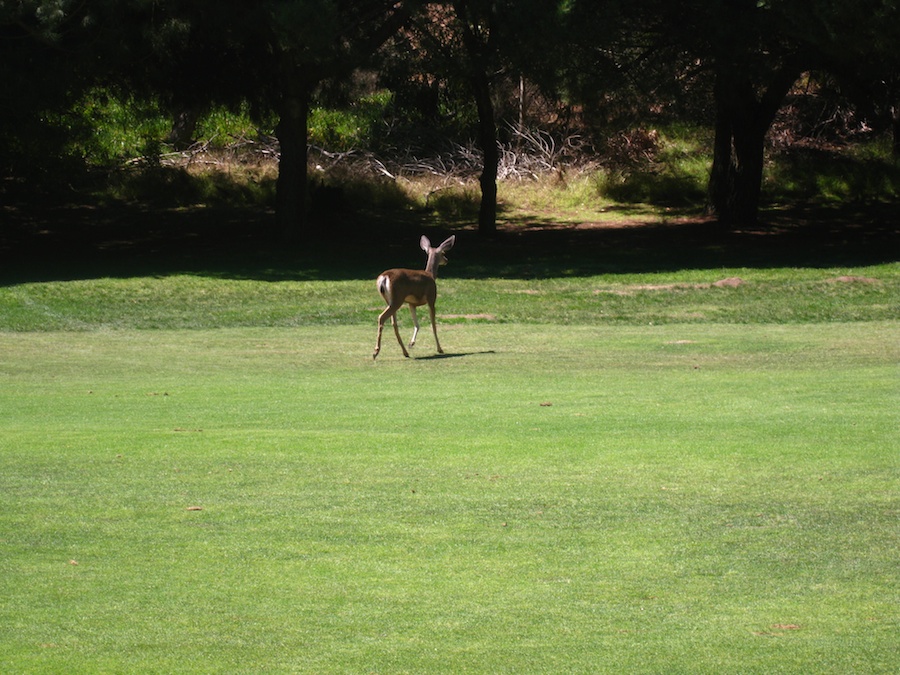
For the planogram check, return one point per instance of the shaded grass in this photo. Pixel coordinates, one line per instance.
(695, 499)
(857, 174)
(87, 241)
(232, 184)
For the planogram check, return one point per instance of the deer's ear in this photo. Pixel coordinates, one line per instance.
(425, 243)
(448, 244)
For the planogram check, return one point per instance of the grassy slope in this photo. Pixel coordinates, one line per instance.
(688, 296)
(701, 498)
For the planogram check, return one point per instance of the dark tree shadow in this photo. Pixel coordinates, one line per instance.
(47, 242)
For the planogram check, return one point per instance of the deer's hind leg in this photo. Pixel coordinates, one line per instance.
(390, 311)
(378, 339)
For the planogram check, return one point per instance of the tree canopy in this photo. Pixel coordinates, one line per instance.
(730, 61)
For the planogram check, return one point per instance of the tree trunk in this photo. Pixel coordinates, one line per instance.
(487, 139)
(895, 129)
(291, 186)
(742, 121)
(721, 176)
(735, 181)
(184, 126)
(478, 40)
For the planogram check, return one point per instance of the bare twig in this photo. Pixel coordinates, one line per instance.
(529, 154)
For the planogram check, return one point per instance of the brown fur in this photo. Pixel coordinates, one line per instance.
(412, 287)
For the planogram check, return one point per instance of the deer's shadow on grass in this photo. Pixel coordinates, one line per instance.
(435, 357)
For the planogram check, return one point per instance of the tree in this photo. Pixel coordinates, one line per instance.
(754, 50)
(753, 62)
(757, 50)
(44, 67)
(190, 54)
(478, 42)
(479, 32)
(457, 40)
(273, 54)
(755, 68)
(857, 44)
(314, 40)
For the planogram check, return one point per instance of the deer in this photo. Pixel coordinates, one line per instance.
(414, 287)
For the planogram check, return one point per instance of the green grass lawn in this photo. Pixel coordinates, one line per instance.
(592, 496)
(178, 301)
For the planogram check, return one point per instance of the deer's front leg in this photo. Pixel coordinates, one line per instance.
(434, 328)
(412, 311)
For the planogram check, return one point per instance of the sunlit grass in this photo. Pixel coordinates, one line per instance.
(587, 499)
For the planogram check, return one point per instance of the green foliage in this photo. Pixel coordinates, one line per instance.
(673, 171)
(114, 128)
(354, 127)
(222, 126)
(333, 129)
(106, 129)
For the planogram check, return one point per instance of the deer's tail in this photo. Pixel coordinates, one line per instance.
(384, 286)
